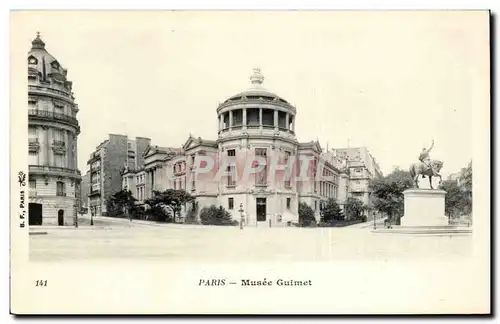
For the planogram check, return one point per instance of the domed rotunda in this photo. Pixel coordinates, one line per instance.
(257, 122)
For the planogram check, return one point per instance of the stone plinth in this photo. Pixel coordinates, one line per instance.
(424, 207)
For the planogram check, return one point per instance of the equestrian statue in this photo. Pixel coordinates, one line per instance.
(426, 167)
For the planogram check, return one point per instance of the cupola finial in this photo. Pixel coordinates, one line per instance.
(38, 42)
(257, 78)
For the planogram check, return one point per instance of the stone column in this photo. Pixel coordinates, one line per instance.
(260, 118)
(293, 124)
(230, 119)
(286, 121)
(48, 146)
(75, 155)
(67, 155)
(275, 120)
(244, 118)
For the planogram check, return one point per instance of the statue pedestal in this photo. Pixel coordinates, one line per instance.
(424, 207)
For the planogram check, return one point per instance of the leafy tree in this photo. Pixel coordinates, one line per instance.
(216, 216)
(170, 201)
(120, 203)
(306, 215)
(457, 202)
(387, 194)
(353, 208)
(331, 211)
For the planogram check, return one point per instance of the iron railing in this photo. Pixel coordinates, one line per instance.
(66, 94)
(52, 115)
(48, 168)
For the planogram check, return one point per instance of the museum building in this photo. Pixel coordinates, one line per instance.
(252, 123)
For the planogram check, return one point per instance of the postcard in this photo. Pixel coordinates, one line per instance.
(250, 162)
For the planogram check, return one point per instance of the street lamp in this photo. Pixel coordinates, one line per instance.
(241, 215)
(75, 211)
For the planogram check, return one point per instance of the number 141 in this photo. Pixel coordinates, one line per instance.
(41, 283)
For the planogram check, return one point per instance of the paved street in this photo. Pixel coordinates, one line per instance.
(124, 240)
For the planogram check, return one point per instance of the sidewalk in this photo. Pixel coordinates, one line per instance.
(134, 222)
(369, 224)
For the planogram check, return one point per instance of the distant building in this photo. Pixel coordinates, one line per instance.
(54, 178)
(361, 167)
(465, 179)
(84, 188)
(106, 164)
(454, 177)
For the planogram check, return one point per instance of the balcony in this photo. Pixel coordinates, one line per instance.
(53, 170)
(52, 116)
(63, 94)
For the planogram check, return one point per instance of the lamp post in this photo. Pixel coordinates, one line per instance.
(75, 211)
(241, 215)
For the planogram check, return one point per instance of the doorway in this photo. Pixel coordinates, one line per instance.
(60, 217)
(261, 209)
(35, 214)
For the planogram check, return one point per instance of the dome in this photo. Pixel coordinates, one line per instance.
(256, 91)
(42, 62)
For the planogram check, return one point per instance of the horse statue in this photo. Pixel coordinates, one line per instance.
(420, 168)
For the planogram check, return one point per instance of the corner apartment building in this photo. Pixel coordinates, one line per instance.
(53, 129)
(105, 166)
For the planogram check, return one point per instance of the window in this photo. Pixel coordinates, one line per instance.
(288, 203)
(33, 158)
(230, 203)
(315, 205)
(193, 181)
(315, 186)
(287, 171)
(32, 184)
(175, 184)
(231, 168)
(261, 177)
(60, 189)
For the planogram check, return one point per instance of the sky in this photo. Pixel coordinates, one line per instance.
(390, 81)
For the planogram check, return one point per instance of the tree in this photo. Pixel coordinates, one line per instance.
(353, 208)
(331, 211)
(172, 199)
(306, 215)
(387, 194)
(457, 202)
(216, 216)
(121, 202)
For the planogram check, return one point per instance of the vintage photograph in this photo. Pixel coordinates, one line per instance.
(252, 137)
